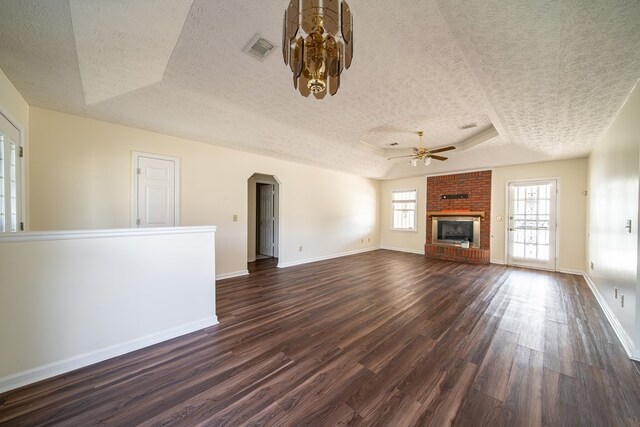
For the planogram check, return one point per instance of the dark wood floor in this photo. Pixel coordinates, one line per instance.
(381, 338)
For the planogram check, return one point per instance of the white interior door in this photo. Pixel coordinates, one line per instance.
(532, 224)
(156, 192)
(266, 219)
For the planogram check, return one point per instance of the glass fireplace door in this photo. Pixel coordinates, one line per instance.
(532, 224)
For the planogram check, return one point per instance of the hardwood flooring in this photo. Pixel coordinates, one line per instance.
(381, 338)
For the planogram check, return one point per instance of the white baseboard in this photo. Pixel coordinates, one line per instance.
(410, 251)
(570, 271)
(497, 261)
(622, 335)
(33, 375)
(232, 274)
(325, 257)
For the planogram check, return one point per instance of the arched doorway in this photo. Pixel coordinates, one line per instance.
(263, 222)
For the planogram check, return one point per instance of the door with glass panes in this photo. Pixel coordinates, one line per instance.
(10, 178)
(531, 237)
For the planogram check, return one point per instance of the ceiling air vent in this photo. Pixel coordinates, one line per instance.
(259, 47)
(467, 126)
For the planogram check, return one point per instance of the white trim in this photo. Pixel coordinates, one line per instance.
(413, 229)
(232, 274)
(507, 207)
(38, 236)
(263, 178)
(623, 337)
(497, 261)
(135, 155)
(571, 271)
(23, 378)
(21, 164)
(532, 267)
(325, 257)
(410, 251)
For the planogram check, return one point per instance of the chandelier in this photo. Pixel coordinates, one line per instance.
(317, 43)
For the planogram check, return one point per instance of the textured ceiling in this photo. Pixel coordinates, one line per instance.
(115, 54)
(548, 75)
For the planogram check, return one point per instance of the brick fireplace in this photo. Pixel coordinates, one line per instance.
(477, 187)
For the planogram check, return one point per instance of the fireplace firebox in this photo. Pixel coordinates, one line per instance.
(456, 231)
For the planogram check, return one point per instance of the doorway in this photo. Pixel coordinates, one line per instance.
(531, 240)
(263, 219)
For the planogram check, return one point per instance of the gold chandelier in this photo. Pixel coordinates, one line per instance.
(317, 43)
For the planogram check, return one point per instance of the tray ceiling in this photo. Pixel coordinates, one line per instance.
(548, 76)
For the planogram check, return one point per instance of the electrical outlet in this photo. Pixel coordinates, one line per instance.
(622, 300)
(615, 292)
(369, 239)
(235, 218)
(361, 240)
(592, 266)
(300, 248)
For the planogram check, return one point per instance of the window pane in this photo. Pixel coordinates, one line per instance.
(518, 250)
(404, 207)
(543, 253)
(531, 215)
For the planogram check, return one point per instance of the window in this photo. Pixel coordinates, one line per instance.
(403, 203)
(10, 177)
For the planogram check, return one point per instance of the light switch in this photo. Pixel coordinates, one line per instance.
(235, 218)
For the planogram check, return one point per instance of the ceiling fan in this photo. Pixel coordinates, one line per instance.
(423, 154)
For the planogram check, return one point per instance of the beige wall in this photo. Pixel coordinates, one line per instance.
(614, 172)
(16, 109)
(572, 182)
(81, 179)
(408, 241)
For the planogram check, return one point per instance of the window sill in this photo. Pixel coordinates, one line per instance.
(411, 230)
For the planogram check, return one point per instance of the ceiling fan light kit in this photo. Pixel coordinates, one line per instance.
(317, 44)
(423, 154)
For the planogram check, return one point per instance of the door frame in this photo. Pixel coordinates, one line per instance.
(253, 180)
(22, 169)
(557, 219)
(135, 155)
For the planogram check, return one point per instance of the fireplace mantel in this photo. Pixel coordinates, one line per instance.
(456, 213)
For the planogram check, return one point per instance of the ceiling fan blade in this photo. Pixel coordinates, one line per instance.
(399, 157)
(440, 150)
(438, 157)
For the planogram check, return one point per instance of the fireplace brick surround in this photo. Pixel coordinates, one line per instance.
(478, 186)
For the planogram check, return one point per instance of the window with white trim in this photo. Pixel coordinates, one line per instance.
(403, 206)
(10, 178)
